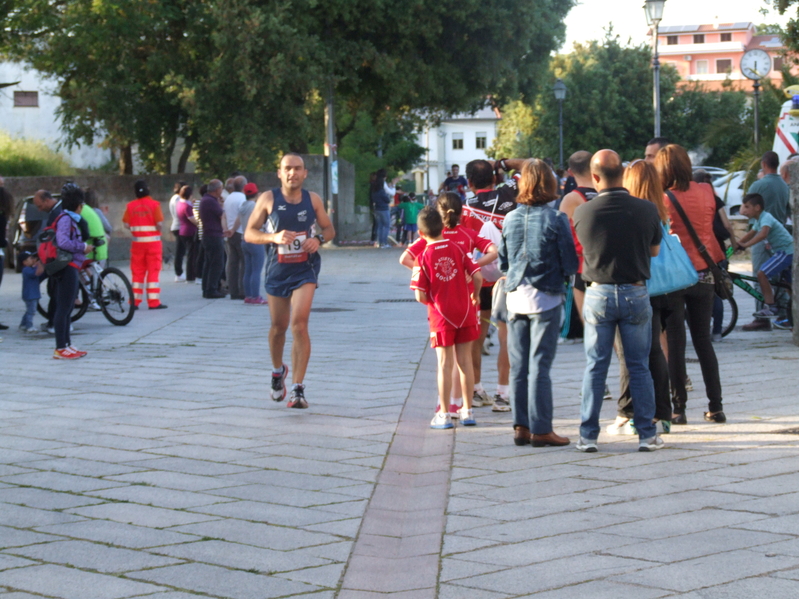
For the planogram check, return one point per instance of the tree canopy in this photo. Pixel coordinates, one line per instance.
(609, 105)
(241, 80)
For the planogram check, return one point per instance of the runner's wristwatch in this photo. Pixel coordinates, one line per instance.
(320, 238)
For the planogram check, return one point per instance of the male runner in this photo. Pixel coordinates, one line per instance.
(292, 268)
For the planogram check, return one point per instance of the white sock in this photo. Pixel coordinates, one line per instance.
(478, 387)
(456, 401)
(277, 370)
(503, 390)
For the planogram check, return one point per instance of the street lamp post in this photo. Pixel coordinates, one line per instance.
(560, 94)
(654, 14)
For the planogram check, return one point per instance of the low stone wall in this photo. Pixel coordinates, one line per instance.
(114, 191)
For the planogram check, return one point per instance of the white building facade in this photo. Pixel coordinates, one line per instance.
(455, 140)
(28, 110)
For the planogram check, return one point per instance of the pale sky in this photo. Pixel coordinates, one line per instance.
(586, 20)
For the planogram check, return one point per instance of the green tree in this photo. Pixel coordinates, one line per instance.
(240, 79)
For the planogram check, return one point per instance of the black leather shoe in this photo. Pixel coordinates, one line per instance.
(679, 419)
(214, 295)
(718, 417)
(160, 307)
(3, 327)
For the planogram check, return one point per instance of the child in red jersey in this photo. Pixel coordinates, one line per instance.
(450, 207)
(440, 281)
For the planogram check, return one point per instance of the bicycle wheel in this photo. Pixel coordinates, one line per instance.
(81, 302)
(115, 296)
(730, 317)
(783, 302)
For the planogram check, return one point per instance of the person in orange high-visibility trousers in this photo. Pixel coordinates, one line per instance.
(144, 218)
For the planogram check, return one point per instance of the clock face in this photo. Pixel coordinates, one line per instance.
(756, 64)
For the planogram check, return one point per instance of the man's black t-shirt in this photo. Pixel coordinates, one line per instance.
(457, 184)
(616, 231)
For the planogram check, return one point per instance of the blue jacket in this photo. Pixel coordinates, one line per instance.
(537, 248)
(30, 284)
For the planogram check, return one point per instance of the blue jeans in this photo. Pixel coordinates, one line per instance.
(382, 218)
(626, 307)
(30, 312)
(254, 258)
(532, 343)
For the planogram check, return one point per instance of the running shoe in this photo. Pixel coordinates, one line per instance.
(608, 395)
(441, 421)
(467, 417)
(279, 384)
(77, 351)
(783, 324)
(651, 444)
(586, 445)
(297, 398)
(66, 354)
(480, 399)
(501, 404)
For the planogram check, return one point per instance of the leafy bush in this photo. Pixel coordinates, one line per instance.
(21, 157)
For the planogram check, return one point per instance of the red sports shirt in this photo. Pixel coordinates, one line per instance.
(466, 239)
(441, 274)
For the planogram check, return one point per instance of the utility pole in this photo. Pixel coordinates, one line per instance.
(331, 162)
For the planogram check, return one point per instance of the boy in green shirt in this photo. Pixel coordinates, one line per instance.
(410, 209)
(765, 226)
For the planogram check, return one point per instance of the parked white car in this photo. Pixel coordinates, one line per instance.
(730, 188)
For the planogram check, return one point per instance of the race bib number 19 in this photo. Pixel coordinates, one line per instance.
(289, 253)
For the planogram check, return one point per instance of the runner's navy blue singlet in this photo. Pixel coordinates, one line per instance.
(287, 266)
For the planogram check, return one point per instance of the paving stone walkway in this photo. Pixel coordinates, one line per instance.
(157, 466)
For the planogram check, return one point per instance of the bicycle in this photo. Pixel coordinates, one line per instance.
(105, 289)
(782, 298)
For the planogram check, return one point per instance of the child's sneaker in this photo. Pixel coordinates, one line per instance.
(501, 404)
(279, 385)
(467, 417)
(621, 427)
(766, 312)
(453, 409)
(441, 421)
(480, 399)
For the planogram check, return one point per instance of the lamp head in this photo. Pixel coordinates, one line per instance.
(560, 90)
(654, 11)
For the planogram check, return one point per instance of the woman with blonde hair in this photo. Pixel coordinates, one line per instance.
(536, 255)
(642, 181)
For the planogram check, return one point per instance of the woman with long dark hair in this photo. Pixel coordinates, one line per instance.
(68, 238)
(699, 204)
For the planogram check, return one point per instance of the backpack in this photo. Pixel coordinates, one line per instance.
(53, 258)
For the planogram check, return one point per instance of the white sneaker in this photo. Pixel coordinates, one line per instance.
(586, 445)
(480, 399)
(651, 444)
(622, 426)
(441, 421)
(467, 417)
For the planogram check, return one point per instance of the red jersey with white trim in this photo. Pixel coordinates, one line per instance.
(441, 275)
(490, 204)
(466, 239)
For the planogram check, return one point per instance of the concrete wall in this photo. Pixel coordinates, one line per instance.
(116, 190)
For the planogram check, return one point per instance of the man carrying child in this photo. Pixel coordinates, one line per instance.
(440, 281)
(766, 227)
